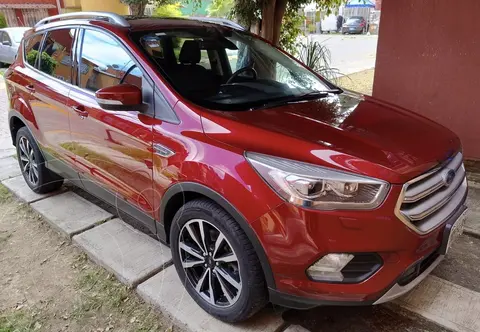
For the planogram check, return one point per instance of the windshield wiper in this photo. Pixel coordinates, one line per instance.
(295, 99)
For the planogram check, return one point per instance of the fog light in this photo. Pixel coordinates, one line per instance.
(329, 267)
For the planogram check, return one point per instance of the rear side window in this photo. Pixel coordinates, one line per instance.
(56, 55)
(32, 45)
(105, 63)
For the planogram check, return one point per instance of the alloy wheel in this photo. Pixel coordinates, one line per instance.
(210, 263)
(27, 160)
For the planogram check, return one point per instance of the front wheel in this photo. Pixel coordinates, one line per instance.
(38, 177)
(216, 262)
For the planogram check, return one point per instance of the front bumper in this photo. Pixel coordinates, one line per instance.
(294, 238)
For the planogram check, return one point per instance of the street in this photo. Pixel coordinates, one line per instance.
(349, 53)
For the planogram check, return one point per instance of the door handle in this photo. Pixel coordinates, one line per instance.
(30, 88)
(80, 110)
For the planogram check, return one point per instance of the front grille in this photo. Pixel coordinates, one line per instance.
(429, 200)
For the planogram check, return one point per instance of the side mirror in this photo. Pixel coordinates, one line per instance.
(121, 97)
(6, 43)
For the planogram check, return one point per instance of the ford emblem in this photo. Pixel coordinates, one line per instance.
(448, 177)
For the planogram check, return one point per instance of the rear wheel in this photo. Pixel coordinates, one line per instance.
(216, 261)
(40, 179)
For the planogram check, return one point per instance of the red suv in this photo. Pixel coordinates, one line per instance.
(268, 182)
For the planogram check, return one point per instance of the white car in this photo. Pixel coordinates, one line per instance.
(329, 23)
(10, 39)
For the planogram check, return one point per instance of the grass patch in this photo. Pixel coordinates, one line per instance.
(101, 293)
(19, 321)
(5, 195)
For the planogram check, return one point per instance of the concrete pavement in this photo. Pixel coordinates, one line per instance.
(349, 53)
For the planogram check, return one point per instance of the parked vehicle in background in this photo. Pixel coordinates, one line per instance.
(355, 24)
(10, 39)
(268, 182)
(329, 24)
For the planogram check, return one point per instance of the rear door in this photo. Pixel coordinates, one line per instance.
(50, 87)
(113, 149)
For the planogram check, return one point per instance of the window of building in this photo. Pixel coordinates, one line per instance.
(32, 46)
(56, 57)
(105, 63)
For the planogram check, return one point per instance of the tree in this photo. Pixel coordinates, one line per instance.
(270, 13)
(137, 7)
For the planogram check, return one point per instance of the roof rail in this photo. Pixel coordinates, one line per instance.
(220, 21)
(102, 16)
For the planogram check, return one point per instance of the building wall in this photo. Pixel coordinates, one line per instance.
(428, 60)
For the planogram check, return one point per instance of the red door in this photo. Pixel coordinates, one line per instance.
(113, 149)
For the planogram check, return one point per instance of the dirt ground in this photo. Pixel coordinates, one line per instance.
(46, 284)
(360, 82)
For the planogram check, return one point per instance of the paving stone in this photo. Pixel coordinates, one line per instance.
(9, 168)
(166, 292)
(472, 223)
(129, 254)
(6, 147)
(452, 306)
(19, 187)
(69, 213)
(296, 328)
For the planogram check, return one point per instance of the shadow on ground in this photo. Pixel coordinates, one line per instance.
(360, 319)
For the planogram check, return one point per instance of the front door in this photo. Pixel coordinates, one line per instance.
(113, 149)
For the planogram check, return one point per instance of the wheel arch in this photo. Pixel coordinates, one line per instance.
(178, 194)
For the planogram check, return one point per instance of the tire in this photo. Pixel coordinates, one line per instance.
(40, 179)
(247, 293)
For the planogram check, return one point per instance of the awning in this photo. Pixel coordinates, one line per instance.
(360, 4)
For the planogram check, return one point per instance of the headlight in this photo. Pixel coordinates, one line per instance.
(318, 187)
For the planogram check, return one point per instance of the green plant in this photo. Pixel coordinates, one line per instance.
(291, 29)
(3, 21)
(318, 58)
(47, 63)
(170, 10)
(220, 8)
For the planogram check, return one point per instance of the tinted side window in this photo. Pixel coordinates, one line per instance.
(56, 55)
(6, 38)
(105, 63)
(32, 46)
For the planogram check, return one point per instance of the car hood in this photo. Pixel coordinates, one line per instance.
(346, 131)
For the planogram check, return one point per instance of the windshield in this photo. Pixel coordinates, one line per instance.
(227, 69)
(17, 34)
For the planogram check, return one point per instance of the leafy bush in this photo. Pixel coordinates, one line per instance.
(169, 10)
(47, 63)
(291, 29)
(3, 21)
(318, 58)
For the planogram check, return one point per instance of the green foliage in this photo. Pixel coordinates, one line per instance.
(47, 63)
(220, 8)
(170, 10)
(318, 58)
(3, 21)
(291, 29)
